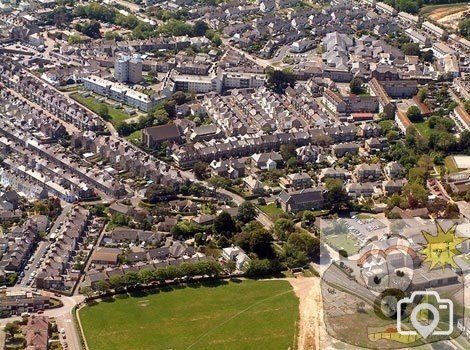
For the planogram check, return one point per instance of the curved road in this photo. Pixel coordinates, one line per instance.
(64, 319)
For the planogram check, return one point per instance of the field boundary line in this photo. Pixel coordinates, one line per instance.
(236, 315)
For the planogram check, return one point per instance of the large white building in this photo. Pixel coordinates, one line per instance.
(434, 29)
(118, 92)
(240, 80)
(211, 83)
(383, 7)
(128, 69)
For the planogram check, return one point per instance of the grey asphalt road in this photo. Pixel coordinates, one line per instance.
(42, 246)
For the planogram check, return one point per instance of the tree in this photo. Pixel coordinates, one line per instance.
(86, 291)
(74, 39)
(279, 80)
(301, 248)
(355, 86)
(467, 105)
(146, 276)
(224, 225)
(103, 111)
(411, 49)
(91, 29)
(336, 196)
(102, 286)
(160, 117)
(414, 113)
(61, 15)
(464, 142)
(283, 228)
(156, 193)
(258, 268)
(422, 94)
(394, 201)
(230, 266)
(415, 194)
(409, 6)
(179, 97)
(246, 212)
(427, 56)
(116, 282)
(261, 243)
(200, 169)
(302, 241)
(417, 175)
(425, 162)
(11, 328)
(464, 28)
(131, 279)
(110, 35)
(288, 151)
(200, 28)
(309, 217)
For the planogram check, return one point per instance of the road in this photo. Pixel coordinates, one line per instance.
(42, 246)
(63, 316)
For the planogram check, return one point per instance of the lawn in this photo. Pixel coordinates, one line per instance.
(450, 164)
(343, 241)
(117, 115)
(245, 315)
(136, 135)
(271, 210)
(423, 128)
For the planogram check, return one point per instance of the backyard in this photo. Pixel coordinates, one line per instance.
(235, 315)
(271, 210)
(117, 115)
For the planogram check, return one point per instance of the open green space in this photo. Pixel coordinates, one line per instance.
(423, 128)
(450, 164)
(271, 210)
(234, 315)
(343, 241)
(136, 135)
(117, 115)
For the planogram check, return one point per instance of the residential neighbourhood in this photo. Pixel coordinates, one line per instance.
(155, 152)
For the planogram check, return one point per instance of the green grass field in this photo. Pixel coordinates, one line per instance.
(271, 210)
(135, 135)
(238, 316)
(117, 115)
(450, 164)
(423, 128)
(343, 241)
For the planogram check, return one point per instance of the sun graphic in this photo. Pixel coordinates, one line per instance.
(441, 248)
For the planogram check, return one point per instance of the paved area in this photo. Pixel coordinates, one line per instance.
(42, 247)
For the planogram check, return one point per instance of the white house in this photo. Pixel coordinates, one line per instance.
(237, 255)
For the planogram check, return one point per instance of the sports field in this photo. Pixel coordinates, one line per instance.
(236, 315)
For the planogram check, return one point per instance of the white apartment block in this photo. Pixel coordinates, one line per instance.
(239, 80)
(119, 92)
(383, 7)
(128, 69)
(434, 30)
(408, 18)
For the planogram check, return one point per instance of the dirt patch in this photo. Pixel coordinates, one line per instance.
(308, 291)
(449, 16)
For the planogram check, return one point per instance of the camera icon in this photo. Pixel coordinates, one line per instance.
(426, 325)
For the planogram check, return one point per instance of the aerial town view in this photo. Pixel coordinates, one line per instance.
(234, 174)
